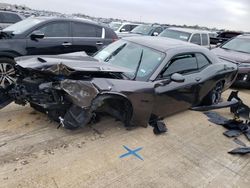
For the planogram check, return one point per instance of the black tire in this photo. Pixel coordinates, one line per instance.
(214, 96)
(7, 72)
(76, 117)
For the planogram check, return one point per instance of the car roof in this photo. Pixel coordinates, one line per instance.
(151, 25)
(162, 44)
(245, 36)
(3, 11)
(188, 30)
(44, 18)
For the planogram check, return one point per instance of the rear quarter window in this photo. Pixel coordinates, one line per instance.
(110, 34)
(86, 30)
(202, 61)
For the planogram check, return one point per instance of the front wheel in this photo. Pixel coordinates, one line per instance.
(214, 96)
(7, 72)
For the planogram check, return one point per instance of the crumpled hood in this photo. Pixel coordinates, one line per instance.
(66, 64)
(232, 55)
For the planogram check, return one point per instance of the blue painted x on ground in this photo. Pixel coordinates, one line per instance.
(132, 152)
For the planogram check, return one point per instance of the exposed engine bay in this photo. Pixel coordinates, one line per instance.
(60, 91)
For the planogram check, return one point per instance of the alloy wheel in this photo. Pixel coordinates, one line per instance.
(7, 75)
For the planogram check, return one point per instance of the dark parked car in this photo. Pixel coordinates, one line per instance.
(146, 30)
(238, 50)
(41, 35)
(223, 37)
(8, 18)
(135, 80)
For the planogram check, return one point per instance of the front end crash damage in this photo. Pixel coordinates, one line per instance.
(74, 92)
(88, 101)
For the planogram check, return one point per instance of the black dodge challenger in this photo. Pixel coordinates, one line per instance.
(134, 80)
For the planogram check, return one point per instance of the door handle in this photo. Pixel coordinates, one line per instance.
(99, 43)
(198, 79)
(66, 44)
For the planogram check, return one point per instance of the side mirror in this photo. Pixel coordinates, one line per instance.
(176, 77)
(218, 44)
(155, 34)
(123, 30)
(37, 35)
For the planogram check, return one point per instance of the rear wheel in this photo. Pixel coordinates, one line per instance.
(214, 96)
(7, 72)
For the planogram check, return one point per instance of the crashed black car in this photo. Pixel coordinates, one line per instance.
(135, 80)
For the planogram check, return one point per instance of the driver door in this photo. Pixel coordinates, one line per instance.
(173, 97)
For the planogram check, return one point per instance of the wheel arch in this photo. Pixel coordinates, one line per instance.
(11, 55)
(115, 104)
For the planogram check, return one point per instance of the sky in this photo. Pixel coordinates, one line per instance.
(228, 14)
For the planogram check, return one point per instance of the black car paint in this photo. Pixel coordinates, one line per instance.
(240, 58)
(224, 37)
(22, 44)
(131, 101)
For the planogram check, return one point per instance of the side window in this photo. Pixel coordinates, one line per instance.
(132, 27)
(204, 38)
(125, 28)
(229, 35)
(202, 61)
(86, 30)
(9, 18)
(196, 39)
(158, 30)
(56, 29)
(182, 64)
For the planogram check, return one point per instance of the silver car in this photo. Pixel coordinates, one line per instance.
(7, 18)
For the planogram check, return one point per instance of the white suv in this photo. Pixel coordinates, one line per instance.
(198, 37)
(120, 27)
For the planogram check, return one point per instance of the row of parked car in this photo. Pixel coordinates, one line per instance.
(200, 37)
(138, 79)
(230, 45)
(51, 36)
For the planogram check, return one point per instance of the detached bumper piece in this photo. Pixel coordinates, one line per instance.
(236, 105)
(236, 126)
(240, 151)
(227, 104)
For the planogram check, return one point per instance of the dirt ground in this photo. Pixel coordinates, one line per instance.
(34, 153)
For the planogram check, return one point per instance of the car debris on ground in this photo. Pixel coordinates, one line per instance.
(236, 126)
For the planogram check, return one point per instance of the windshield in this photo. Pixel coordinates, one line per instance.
(180, 35)
(115, 26)
(238, 44)
(142, 61)
(22, 26)
(142, 29)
